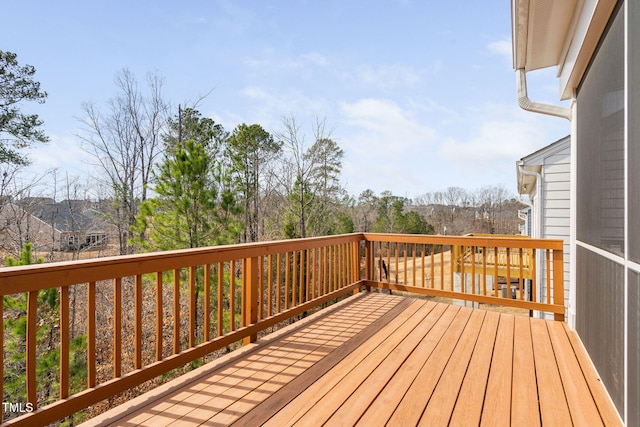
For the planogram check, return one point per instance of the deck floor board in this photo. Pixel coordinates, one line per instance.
(378, 359)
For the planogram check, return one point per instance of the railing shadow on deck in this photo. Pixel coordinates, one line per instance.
(160, 311)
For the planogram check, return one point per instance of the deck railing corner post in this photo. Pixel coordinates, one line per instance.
(558, 281)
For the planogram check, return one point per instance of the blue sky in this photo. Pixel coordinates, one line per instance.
(421, 95)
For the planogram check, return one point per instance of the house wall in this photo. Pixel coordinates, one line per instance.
(607, 272)
(551, 207)
(556, 173)
(18, 226)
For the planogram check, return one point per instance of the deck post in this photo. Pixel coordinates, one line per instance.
(250, 284)
(368, 262)
(558, 281)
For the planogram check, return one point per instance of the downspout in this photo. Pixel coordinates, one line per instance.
(537, 215)
(538, 184)
(537, 107)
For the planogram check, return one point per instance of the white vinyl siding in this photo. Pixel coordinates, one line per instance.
(556, 172)
(554, 200)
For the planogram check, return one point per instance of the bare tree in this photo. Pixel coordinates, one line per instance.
(301, 166)
(315, 188)
(16, 197)
(125, 141)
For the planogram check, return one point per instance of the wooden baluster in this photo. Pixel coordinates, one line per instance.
(269, 288)
(340, 271)
(117, 327)
(309, 274)
(388, 262)
(331, 268)
(534, 279)
(424, 279)
(192, 306)
(137, 364)
(279, 282)
(463, 268)
(452, 266)
(473, 269)
(432, 278)
(495, 272)
(348, 254)
(243, 291)
(318, 266)
(91, 334)
(355, 262)
(339, 266)
(232, 295)
(176, 311)
(261, 279)
(508, 259)
(397, 265)
(159, 316)
(64, 342)
(287, 269)
(294, 281)
(32, 317)
(250, 282)
(442, 266)
(220, 298)
(207, 303)
(521, 279)
(345, 264)
(484, 270)
(548, 269)
(325, 270)
(301, 278)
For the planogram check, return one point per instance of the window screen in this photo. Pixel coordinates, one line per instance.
(634, 129)
(600, 145)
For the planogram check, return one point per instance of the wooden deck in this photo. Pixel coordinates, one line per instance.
(377, 359)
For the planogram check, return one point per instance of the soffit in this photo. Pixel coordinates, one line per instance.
(540, 29)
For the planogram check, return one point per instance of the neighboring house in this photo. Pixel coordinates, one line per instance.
(595, 47)
(73, 228)
(64, 226)
(545, 177)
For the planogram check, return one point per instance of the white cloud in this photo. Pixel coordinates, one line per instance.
(500, 136)
(60, 152)
(385, 76)
(315, 58)
(386, 123)
(270, 60)
(501, 47)
(387, 147)
(269, 107)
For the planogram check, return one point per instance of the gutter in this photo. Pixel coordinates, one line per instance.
(538, 176)
(537, 107)
(523, 171)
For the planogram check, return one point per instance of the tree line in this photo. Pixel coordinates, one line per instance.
(170, 179)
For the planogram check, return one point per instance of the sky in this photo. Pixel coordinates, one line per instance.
(420, 94)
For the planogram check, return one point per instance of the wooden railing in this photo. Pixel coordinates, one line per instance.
(507, 262)
(490, 270)
(151, 313)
